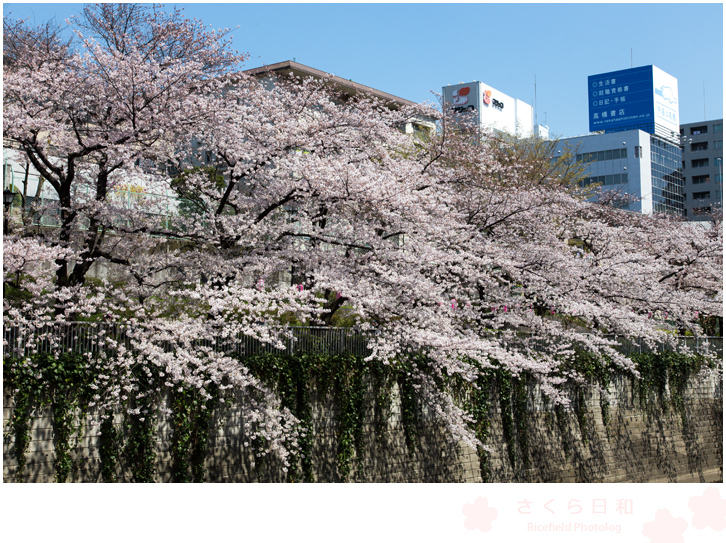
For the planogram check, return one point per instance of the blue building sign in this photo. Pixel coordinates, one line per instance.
(635, 98)
(621, 99)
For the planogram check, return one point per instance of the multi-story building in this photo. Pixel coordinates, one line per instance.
(634, 149)
(702, 148)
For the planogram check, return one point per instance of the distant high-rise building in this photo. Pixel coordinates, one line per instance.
(702, 148)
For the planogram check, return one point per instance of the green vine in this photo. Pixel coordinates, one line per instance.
(504, 380)
(181, 424)
(20, 376)
(653, 379)
(191, 426)
(290, 376)
(59, 382)
(666, 375)
(409, 410)
(521, 416)
(382, 386)
(201, 428)
(62, 430)
(597, 371)
(479, 406)
(681, 369)
(139, 449)
(108, 449)
(66, 378)
(583, 421)
(351, 399)
(561, 417)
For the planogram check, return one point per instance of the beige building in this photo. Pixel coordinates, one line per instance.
(346, 86)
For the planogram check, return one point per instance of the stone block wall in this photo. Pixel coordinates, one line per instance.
(657, 444)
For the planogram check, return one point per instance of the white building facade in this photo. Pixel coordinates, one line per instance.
(494, 110)
(640, 166)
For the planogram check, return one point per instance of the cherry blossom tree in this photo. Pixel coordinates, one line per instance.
(93, 119)
(266, 199)
(89, 118)
(536, 255)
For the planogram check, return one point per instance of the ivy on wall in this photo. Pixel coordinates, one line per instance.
(44, 381)
(519, 401)
(20, 377)
(63, 385)
(664, 376)
(108, 449)
(345, 377)
(191, 422)
(479, 404)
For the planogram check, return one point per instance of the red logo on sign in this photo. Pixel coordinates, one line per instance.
(459, 97)
(488, 97)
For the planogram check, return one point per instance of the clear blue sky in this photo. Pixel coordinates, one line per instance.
(410, 50)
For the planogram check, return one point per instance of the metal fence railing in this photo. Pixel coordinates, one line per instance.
(93, 337)
(86, 337)
(702, 345)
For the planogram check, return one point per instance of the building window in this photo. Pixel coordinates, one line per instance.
(702, 195)
(699, 130)
(718, 144)
(700, 146)
(702, 210)
(718, 127)
(717, 161)
(611, 154)
(699, 179)
(666, 177)
(638, 151)
(699, 163)
(617, 179)
(719, 178)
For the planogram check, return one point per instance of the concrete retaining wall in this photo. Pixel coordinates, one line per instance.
(658, 446)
